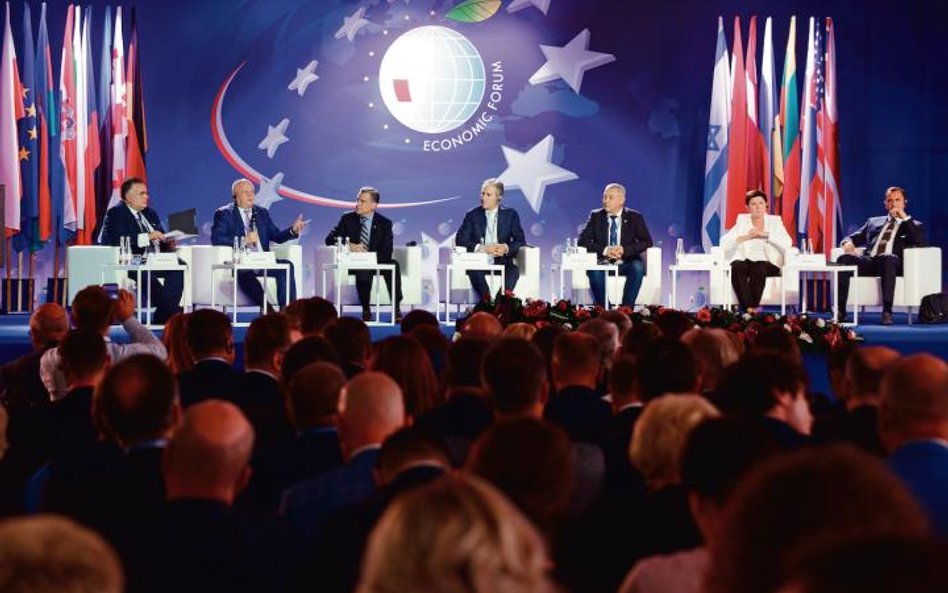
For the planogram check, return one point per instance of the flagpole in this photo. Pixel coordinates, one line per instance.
(19, 280)
(56, 271)
(7, 253)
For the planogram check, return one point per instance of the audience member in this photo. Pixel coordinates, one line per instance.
(305, 352)
(575, 404)
(713, 352)
(674, 323)
(456, 535)
(83, 360)
(435, 343)
(258, 395)
(623, 483)
(513, 375)
(777, 339)
(20, 380)
(404, 359)
(352, 342)
(416, 318)
(308, 316)
(211, 340)
(666, 366)
(640, 337)
(521, 330)
(175, 339)
(483, 326)
(913, 426)
(606, 334)
(618, 318)
(544, 338)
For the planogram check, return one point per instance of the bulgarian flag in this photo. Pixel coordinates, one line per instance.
(789, 175)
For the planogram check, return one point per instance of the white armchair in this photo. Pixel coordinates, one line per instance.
(921, 276)
(84, 267)
(721, 287)
(528, 285)
(410, 266)
(649, 294)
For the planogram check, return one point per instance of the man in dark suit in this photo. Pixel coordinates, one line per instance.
(575, 405)
(20, 382)
(243, 219)
(494, 230)
(885, 239)
(259, 396)
(367, 230)
(135, 220)
(619, 236)
(211, 340)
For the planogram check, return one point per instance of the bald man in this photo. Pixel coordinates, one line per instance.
(20, 382)
(482, 326)
(913, 425)
(371, 407)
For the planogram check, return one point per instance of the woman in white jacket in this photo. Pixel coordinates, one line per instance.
(755, 246)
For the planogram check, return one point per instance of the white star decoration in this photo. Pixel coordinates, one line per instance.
(570, 62)
(304, 77)
(532, 171)
(352, 24)
(541, 5)
(276, 135)
(268, 194)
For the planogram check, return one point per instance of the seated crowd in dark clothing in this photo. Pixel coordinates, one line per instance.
(616, 457)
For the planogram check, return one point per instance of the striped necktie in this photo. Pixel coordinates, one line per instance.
(364, 235)
(886, 236)
(613, 231)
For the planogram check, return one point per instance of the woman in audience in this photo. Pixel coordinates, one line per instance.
(456, 535)
(404, 359)
(175, 339)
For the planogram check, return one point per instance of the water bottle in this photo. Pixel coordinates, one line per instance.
(803, 246)
(701, 298)
(237, 249)
(346, 245)
(121, 251)
(679, 249)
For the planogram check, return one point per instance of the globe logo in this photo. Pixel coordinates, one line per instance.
(432, 79)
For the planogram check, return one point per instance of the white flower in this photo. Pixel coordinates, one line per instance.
(644, 312)
(747, 316)
(820, 322)
(806, 337)
(787, 327)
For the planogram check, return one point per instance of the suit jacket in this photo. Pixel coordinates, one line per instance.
(579, 411)
(635, 238)
(260, 399)
(509, 231)
(120, 222)
(209, 379)
(228, 223)
(380, 235)
(777, 242)
(911, 233)
(923, 467)
(20, 382)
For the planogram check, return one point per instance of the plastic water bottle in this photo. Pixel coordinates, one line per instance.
(347, 245)
(679, 249)
(237, 250)
(701, 298)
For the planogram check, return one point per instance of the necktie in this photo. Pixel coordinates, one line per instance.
(141, 222)
(886, 236)
(364, 235)
(613, 231)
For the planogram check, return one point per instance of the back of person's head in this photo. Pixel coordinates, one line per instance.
(798, 498)
(92, 309)
(521, 330)
(640, 337)
(751, 386)
(406, 448)
(713, 352)
(48, 324)
(53, 554)
(175, 339)
(418, 317)
(513, 375)
(661, 433)
(607, 336)
(914, 400)
(544, 338)
(619, 319)
(836, 360)
(371, 407)
(508, 456)
(313, 395)
(776, 338)
(136, 400)
(864, 371)
(305, 352)
(666, 366)
(465, 357)
(404, 359)
(577, 360)
(309, 316)
(350, 338)
(82, 355)
(209, 334)
(209, 454)
(674, 323)
(623, 381)
(482, 325)
(458, 535)
(267, 340)
(435, 343)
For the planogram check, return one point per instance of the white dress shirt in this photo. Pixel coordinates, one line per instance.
(895, 231)
(774, 246)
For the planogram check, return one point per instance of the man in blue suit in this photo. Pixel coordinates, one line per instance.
(494, 230)
(243, 219)
(619, 236)
(135, 220)
(885, 238)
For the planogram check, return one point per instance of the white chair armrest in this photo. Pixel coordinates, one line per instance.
(921, 270)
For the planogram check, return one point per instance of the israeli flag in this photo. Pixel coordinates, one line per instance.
(715, 165)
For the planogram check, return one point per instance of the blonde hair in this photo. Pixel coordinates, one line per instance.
(713, 350)
(455, 535)
(661, 433)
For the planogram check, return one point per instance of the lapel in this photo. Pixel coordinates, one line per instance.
(238, 220)
(501, 224)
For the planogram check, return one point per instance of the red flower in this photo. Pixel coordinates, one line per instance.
(660, 309)
(562, 306)
(626, 309)
(769, 319)
(735, 327)
(703, 315)
(741, 336)
(541, 323)
(583, 314)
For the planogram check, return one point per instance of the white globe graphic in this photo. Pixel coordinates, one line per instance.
(432, 79)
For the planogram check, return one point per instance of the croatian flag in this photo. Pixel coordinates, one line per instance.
(715, 163)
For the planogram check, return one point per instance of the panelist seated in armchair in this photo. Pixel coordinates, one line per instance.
(140, 224)
(494, 230)
(885, 239)
(368, 230)
(755, 247)
(619, 235)
(242, 219)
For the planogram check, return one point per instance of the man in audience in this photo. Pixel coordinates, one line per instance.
(913, 425)
(371, 408)
(259, 396)
(575, 405)
(20, 379)
(211, 340)
(84, 361)
(417, 317)
(713, 351)
(482, 326)
(352, 342)
(619, 319)
(308, 317)
(666, 366)
(93, 310)
(623, 483)
(304, 353)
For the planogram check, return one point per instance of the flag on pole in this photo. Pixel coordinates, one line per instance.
(135, 102)
(118, 112)
(790, 122)
(810, 178)
(737, 134)
(103, 175)
(28, 237)
(68, 129)
(829, 141)
(90, 136)
(11, 110)
(46, 115)
(754, 144)
(767, 100)
(715, 162)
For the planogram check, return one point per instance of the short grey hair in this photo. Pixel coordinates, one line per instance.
(496, 184)
(373, 193)
(233, 186)
(615, 186)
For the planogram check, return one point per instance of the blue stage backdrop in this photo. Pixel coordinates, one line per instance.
(307, 95)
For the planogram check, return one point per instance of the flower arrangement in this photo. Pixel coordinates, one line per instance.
(813, 334)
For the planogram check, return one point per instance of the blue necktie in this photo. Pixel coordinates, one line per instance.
(364, 235)
(613, 231)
